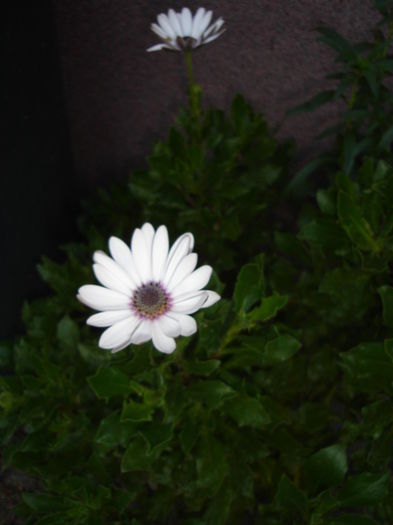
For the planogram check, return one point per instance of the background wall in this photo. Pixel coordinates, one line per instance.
(121, 98)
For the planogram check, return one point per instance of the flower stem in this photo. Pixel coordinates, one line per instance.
(193, 88)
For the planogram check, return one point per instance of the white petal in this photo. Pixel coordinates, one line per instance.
(187, 323)
(119, 333)
(166, 26)
(121, 347)
(158, 47)
(180, 249)
(122, 255)
(211, 38)
(196, 22)
(204, 23)
(101, 298)
(141, 255)
(112, 266)
(174, 21)
(110, 280)
(142, 334)
(186, 21)
(214, 28)
(169, 325)
(196, 281)
(159, 252)
(162, 342)
(148, 231)
(212, 298)
(185, 267)
(189, 303)
(158, 31)
(104, 319)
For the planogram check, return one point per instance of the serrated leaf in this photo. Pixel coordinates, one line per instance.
(352, 519)
(315, 102)
(281, 349)
(353, 222)
(365, 489)
(68, 333)
(249, 286)
(289, 497)
(109, 382)
(211, 465)
(189, 435)
(327, 467)
(386, 294)
(133, 411)
(113, 432)
(157, 435)
(269, 307)
(137, 456)
(247, 411)
(202, 368)
(212, 393)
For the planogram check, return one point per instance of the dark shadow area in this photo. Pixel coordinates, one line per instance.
(38, 197)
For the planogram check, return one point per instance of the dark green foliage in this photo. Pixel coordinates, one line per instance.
(279, 411)
(362, 89)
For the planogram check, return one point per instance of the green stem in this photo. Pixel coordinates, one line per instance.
(352, 100)
(192, 89)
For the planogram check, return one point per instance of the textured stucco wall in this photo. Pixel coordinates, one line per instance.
(121, 98)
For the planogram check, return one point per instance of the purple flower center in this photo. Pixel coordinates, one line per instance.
(150, 301)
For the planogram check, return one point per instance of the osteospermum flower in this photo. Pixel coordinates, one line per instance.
(180, 31)
(148, 292)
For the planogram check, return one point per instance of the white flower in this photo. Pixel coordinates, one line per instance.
(180, 31)
(148, 292)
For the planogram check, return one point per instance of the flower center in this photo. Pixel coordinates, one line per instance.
(186, 42)
(150, 300)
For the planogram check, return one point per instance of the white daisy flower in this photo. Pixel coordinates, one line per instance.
(148, 292)
(180, 31)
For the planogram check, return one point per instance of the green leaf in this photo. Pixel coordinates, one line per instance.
(211, 465)
(325, 233)
(281, 349)
(269, 307)
(202, 368)
(249, 286)
(219, 507)
(289, 497)
(137, 456)
(338, 43)
(352, 519)
(368, 367)
(386, 294)
(365, 489)
(157, 436)
(43, 502)
(133, 411)
(68, 333)
(247, 411)
(109, 382)
(327, 467)
(6, 353)
(189, 434)
(353, 222)
(386, 139)
(315, 102)
(326, 201)
(211, 393)
(113, 432)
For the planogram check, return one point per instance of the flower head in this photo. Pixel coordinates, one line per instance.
(180, 31)
(148, 292)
